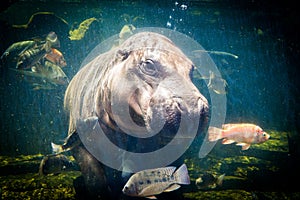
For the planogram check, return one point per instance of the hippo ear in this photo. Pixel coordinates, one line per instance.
(123, 54)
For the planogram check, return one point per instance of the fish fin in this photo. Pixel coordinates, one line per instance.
(220, 180)
(126, 167)
(181, 175)
(226, 141)
(47, 47)
(151, 197)
(5, 54)
(245, 146)
(41, 167)
(228, 126)
(56, 148)
(172, 188)
(220, 91)
(148, 190)
(198, 181)
(214, 133)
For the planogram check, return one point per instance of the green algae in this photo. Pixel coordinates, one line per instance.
(79, 33)
(34, 186)
(278, 142)
(245, 172)
(228, 194)
(7, 160)
(240, 194)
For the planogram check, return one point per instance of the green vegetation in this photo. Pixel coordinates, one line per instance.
(34, 186)
(249, 174)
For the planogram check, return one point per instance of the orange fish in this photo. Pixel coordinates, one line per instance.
(243, 134)
(56, 57)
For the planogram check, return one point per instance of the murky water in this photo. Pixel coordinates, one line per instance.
(252, 45)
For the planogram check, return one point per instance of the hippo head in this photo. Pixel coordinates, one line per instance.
(148, 92)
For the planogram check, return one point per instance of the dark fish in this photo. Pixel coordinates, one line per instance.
(18, 47)
(71, 141)
(53, 40)
(209, 181)
(150, 182)
(49, 75)
(32, 56)
(55, 164)
(53, 73)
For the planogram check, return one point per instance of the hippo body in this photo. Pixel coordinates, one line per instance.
(160, 75)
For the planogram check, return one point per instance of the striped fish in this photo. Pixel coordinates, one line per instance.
(150, 182)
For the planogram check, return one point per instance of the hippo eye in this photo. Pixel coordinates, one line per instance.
(148, 67)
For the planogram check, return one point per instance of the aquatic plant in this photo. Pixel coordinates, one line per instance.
(78, 34)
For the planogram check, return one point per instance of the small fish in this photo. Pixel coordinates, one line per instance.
(46, 76)
(18, 47)
(54, 164)
(30, 57)
(126, 165)
(53, 73)
(243, 134)
(150, 182)
(217, 84)
(220, 53)
(209, 181)
(71, 141)
(126, 32)
(56, 57)
(53, 40)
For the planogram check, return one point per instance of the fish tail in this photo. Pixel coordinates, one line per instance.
(41, 167)
(214, 134)
(5, 54)
(181, 175)
(220, 179)
(47, 47)
(56, 148)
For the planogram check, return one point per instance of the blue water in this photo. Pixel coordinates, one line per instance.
(259, 89)
(262, 87)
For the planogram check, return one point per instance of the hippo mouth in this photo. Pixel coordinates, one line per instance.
(162, 118)
(164, 122)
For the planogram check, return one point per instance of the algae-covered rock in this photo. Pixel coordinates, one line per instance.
(278, 142)
(19, 179)
(248, 174)
(34, 186)
(225, 194)
(240, 194)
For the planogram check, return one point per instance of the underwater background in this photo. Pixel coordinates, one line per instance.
(262, 87)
